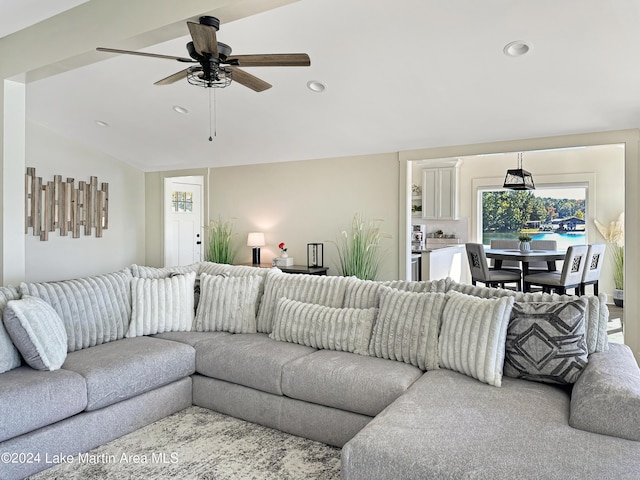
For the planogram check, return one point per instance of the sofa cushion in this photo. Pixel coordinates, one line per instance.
(249, 359)
(32, 399)
(407, 327)
(449, 426)
(545, 341)
(317, 326)
(322, 290)
(597, 314)
(472, 339)
(94, 310)
(228, 304)
(346, 381)
(162, 305)
(119, 370)
(9, 355)
(37, 332)
(606, 397)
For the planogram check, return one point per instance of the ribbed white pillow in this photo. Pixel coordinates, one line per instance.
(319, 289)
(407, 327)
(318, 326)
(473, 335)
(228, 304)
(37, 331)
(162, 305)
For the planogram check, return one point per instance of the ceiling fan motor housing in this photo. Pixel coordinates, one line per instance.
(210, 21)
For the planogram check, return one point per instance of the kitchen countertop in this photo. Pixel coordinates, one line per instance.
(439, 247)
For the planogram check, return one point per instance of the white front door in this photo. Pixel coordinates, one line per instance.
(183, 224)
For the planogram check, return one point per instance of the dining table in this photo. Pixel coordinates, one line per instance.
(525, 258)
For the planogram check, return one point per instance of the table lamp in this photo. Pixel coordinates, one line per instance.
(256, 240)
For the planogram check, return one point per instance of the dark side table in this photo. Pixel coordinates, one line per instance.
(302, 269)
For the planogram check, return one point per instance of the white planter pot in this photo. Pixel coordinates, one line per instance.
(525, 247)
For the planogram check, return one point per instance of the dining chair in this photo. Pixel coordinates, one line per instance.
(569, 277)
(536, 267)
(480, 271)
(592, 267)
(505, 244)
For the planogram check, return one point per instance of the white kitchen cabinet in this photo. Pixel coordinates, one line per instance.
(440, 193)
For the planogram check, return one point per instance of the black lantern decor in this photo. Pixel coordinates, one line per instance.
(315, 255)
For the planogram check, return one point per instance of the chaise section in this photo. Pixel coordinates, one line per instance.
(448, 425)
(350, 382)
(46, 397)
(250, 359)
(119, 370)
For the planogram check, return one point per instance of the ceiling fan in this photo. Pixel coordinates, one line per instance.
(216, 67)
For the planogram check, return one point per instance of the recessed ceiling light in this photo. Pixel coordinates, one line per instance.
(180, 110)
(517, 48)
(316, 86)
(100, 123)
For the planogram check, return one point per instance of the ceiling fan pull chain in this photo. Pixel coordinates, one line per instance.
(215, 133)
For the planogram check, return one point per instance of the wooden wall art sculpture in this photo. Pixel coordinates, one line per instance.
(59, 205)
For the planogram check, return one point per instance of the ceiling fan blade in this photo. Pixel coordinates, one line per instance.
(143, 54)
(173, 78)
(204, 38)
(271, 60)
(248, 80)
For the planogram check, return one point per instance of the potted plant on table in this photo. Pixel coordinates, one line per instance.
(525, 242)
(614, 235)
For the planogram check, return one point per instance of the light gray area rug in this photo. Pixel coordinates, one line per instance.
(198, 443)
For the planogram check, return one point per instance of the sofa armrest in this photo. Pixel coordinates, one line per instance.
(606, 397)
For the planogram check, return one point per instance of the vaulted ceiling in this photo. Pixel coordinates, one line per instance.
(400, 75)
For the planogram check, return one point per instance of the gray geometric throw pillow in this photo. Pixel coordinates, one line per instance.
(546, 341)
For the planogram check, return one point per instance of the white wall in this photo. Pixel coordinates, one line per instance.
(308, 201)
(121, 244)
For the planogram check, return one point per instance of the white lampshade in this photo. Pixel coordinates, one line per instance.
(255, 239)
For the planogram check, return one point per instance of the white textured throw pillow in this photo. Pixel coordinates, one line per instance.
(318, 326)
(162, 305)
(473, 335)
(37, 331)
(407, 327)
(228, 304)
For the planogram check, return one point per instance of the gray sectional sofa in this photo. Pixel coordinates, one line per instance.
(412, 379)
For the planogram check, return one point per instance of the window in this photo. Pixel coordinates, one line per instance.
(182, 202)
(550, 213)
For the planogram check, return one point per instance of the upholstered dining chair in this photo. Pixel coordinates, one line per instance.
(569, 277)
(480, 271)
(506, 244)
(535, 267)
(592, 268)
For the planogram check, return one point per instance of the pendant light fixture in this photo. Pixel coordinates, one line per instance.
(519, 179)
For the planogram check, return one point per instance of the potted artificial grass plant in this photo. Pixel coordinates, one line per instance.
(220, 249)
(359, 248)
